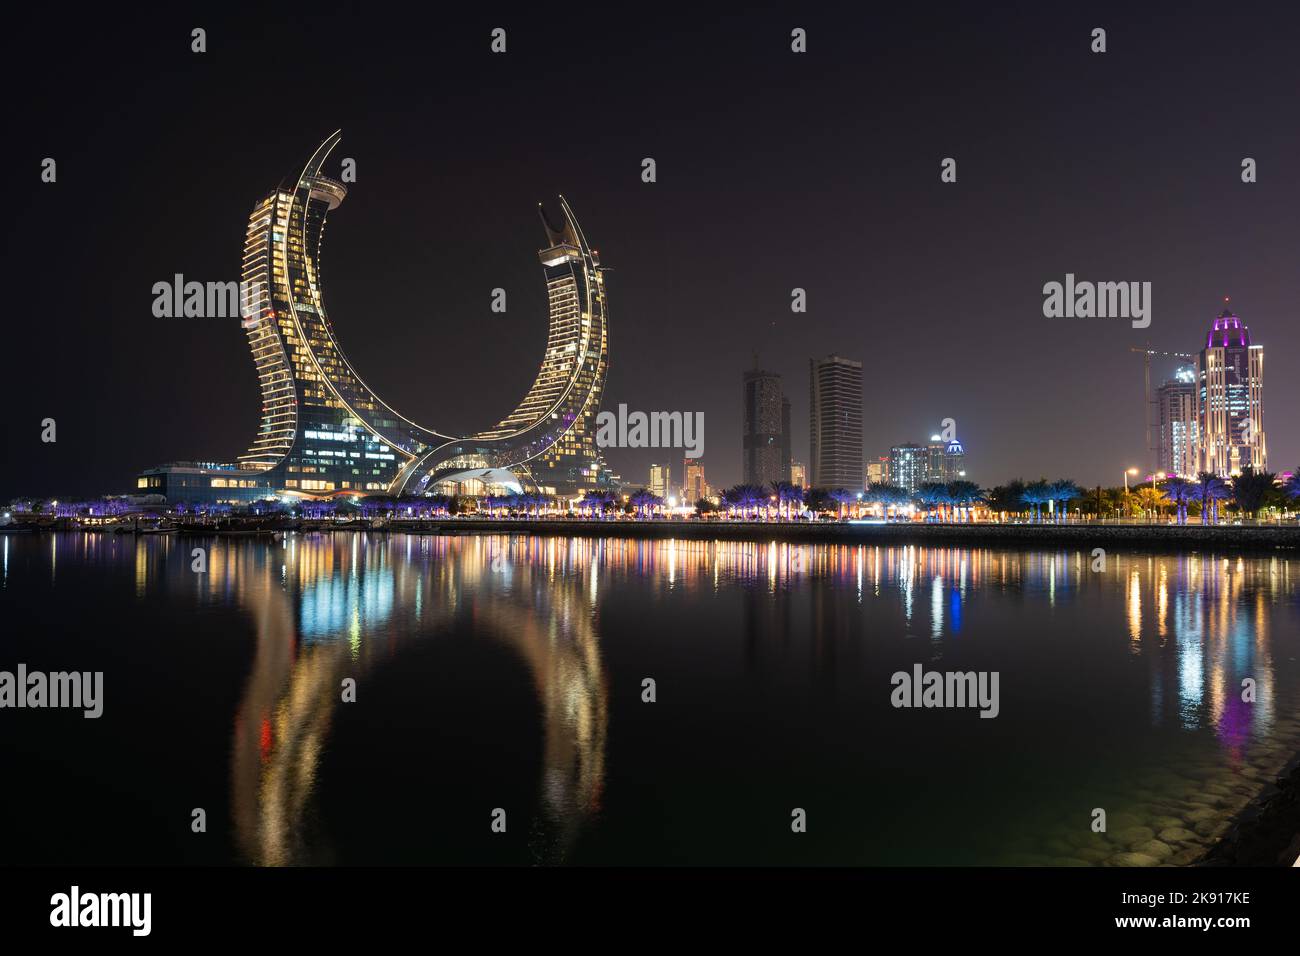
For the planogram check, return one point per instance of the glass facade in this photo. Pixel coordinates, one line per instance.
(908, 466)
(766, 440)
(835, 433)
(1178, 439)
(1230, 399)
(323, 431)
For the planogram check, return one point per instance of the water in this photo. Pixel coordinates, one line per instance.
(506, 672)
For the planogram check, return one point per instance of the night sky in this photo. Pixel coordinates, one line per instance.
(775, 171)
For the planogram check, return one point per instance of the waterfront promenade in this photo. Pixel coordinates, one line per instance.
(1086, 535)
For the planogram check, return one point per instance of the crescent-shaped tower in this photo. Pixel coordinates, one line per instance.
(324, 431)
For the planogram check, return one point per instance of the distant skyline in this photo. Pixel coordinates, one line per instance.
(775, 171)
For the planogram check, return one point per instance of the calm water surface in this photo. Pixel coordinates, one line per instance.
(506, 672)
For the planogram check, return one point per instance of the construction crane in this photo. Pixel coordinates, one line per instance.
(1147, 352)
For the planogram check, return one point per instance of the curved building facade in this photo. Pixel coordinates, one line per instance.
(324, 431)
(549, 438)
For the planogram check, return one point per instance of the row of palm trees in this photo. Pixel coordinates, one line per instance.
(941, 501)
(1249, 491)
(1208, 493)
(953, 501)
(1043, 500)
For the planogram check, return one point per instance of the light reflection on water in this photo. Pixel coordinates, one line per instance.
(326, 607)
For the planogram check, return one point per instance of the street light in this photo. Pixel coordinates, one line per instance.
(1127, 472)
(1160, 475)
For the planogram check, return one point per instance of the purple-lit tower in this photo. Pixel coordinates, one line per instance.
(1230, 399)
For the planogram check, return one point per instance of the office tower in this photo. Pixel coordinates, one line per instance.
(1176, 401)
(661, 481)
(694, 487)
(835, 415)
(908, 465)
(798, 474)
(954, 460)
(766, 440)
(1230, 399)
(878, 471)
(935, 466)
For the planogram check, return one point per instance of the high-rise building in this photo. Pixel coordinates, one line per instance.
(908, 465)
(1178, 440)
(934, 460)
(1230, 399)
(798, 474)
(661, 481)
(766, 441)
(878, 471)
(835, 420)
(694, 487)
(323, 431)
(954, 460)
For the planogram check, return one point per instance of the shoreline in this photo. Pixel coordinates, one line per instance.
(1267, 831)
(1156, 537)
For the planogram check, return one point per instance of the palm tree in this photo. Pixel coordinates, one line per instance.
(1210, 490)
(816, 499)
(887, 497)
(642, 499)
(1291, 487)
(783, 491)
(1035, 496)
(596, 501)
(964, 494)
(731, 498)
(1110, 499)
(842, 497)
(897, 496)
(1151, 499)
(1250, 489)
(930, 494)
(795, 499)
(744, 498)
(1008, 498)
(1063, 491)
(753, 496)
(1181, 492)
(787, 495)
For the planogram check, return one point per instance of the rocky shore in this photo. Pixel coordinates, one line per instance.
(1267, 832)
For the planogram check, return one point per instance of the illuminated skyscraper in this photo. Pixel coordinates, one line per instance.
(1230, 399)
(878, 471)
(661, 481)
(908, 465)
(694, 485)
(766, 441)
(835, 433)
(945, 460)
(324, 431)
(798, 474)
(1178, 440)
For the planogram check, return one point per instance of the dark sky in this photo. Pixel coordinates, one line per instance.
(775, 170)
